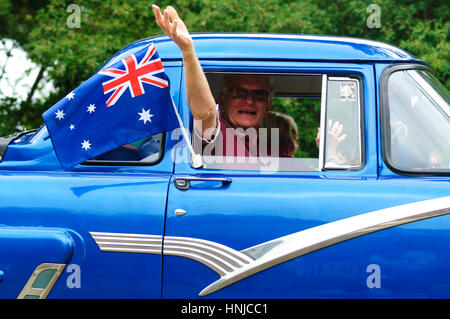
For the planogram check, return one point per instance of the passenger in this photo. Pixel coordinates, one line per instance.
(288, 132)
(243, 103)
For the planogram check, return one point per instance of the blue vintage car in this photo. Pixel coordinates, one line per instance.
(370, 220)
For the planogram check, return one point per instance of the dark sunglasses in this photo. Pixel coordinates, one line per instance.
(257, 95)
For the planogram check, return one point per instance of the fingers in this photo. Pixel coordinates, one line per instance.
(335, 128)
(318, 137)
(158, 15)
(171, 24)
(172, 12)
(341, 138)
(173, 27)
(335, 131)
(338, 128)
(161, 20)
(166, 19)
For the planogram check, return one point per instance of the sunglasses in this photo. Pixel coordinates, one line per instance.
(257, 95)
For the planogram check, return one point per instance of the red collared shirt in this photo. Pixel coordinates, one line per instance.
(230, 141)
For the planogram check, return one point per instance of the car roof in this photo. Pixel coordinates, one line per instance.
(259, 46)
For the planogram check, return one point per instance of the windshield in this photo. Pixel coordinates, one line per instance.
(419, 116)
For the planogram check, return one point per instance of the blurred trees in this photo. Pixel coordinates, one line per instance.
(70, 55)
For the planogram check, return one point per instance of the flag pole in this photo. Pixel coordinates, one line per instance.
(196, 159)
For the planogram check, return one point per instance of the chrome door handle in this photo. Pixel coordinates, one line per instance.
(183, 182)
(180, 212)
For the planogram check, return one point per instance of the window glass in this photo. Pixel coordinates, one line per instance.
(343, 138)
(306, 114)
(288, 137)
(144, 151)
(419, 117)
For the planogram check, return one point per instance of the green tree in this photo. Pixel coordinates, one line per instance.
(71, 55)
(17, 19)
(421, 27)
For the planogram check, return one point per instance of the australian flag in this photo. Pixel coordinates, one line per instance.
(121, 103)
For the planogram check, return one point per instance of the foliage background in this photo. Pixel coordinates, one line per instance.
(71, 55)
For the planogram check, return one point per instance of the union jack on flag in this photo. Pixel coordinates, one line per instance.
(134, 75)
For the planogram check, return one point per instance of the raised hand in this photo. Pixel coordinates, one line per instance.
(200, 99)
(173, 27)
(334, 136)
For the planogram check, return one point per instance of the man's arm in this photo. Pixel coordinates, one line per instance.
(200, 99)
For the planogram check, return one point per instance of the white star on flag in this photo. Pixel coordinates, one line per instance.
(86, 145)
(72, 127)
(59, 114)
(145, 116)
(70, 96)
(91, 108)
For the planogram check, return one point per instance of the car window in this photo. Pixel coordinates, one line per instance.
(146, 151)
(298, 104)
(343, 124)
(419, 122)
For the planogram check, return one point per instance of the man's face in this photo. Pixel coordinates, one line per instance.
(248, 111)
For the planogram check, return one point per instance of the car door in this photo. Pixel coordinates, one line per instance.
(294, 233)
(228, 211)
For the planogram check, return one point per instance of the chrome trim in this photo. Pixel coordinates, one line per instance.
(323, 107)
(326, 164)
(285, 248)
(128, 243)
(183, 182)
(204, 178)
(180, 212)
(234, 265)
(28, 289)
(217, 257)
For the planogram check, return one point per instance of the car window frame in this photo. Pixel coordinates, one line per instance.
(324, 75)
(360, 107)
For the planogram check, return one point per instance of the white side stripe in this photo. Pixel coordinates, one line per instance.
(285, 248)
(219, 258)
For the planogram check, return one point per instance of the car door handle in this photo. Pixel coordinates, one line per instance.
(180, 212)
(184, 182)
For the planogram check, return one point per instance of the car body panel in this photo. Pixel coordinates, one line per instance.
(22, 249)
